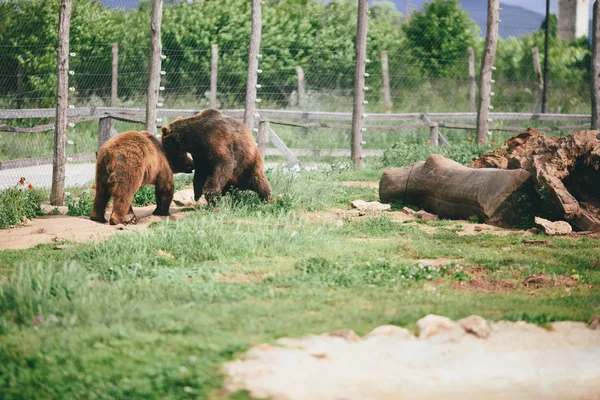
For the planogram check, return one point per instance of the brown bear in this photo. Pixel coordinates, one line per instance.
(224, 152)
(131, 160)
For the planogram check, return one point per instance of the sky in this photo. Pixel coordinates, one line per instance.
(539, 5)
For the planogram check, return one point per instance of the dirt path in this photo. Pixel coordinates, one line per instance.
(57, 228)
(516, 361)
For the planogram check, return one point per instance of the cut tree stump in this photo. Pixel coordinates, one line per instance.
(451, 190)
(564, 170)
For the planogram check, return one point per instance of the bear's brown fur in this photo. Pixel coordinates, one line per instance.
(224, 152)
(127, 162)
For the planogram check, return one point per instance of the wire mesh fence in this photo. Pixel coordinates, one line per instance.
(306, 64)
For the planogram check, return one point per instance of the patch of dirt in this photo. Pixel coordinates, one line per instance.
(483, 229)
(335, 216)
(59, 228)
(253, 277)
(543, 281)
(361, 184)
(481, 281)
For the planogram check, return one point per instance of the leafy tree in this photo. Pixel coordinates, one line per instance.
(440, 35)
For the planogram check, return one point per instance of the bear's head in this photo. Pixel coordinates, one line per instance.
(178, 158)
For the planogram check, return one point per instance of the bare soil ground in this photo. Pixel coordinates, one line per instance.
(59, 228)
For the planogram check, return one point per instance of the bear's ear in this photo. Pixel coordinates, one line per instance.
(165, 130)
(180, 117)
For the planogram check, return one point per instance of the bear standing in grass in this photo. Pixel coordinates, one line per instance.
(224, 153)
(129, 161)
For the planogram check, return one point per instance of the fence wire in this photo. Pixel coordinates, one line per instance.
(428, 69)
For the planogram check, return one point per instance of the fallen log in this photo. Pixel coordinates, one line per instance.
(451, 190)
(565, 170)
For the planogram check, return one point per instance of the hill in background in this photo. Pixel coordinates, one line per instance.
(516, 21)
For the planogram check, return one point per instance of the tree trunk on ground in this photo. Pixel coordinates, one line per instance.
(564, 170)
(451, 190)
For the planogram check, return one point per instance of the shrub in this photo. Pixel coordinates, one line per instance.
(15, 205)
(402, 154)
(81, 206)
(144, 196)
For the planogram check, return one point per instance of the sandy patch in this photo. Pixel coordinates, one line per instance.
(58, 228)
(361, 184)
(516, 360)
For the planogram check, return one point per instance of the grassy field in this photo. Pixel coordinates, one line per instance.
(154, 314)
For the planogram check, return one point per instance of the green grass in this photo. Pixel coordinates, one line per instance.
(118, 318)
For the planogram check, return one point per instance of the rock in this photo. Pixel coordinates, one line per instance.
(422, 214)
(391, 331)
(185, 198)
(476, 325)
(553, 228)
(594, 322)
(347, 334)
(533, 231)
(439, 329)
(49, 209)
(370, 205)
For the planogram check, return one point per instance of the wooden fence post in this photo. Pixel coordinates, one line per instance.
(434, 135)
(104, 129)
(263, 137)
(214, 64)
(487, 64)
(472, 89)
(359, 82)
(155, 72)
(387, 97)
(252, 77)
(546, 58)
(114, 93)
(538, 74)
(300, 74)
(57, 194)
(596, 66)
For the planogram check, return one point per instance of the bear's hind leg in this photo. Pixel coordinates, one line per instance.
(100, 202)
(164, 188)
(122, 204)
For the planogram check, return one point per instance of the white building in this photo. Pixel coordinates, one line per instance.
(573, 18)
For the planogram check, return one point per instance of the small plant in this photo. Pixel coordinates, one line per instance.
(81, 206)
(144, 196)
(15, 205)
(460, 275)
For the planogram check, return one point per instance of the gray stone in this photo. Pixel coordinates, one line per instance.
(370, 205)
(391, 331)
(49, 209)
(185, 198)
(476, 325)
(439, 329)
(553, 228)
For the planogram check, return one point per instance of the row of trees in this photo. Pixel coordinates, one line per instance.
(430, 45)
